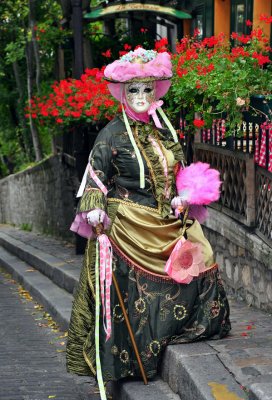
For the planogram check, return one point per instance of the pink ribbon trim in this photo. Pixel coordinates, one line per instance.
(101, 186)
(105, 257)
(152, 111)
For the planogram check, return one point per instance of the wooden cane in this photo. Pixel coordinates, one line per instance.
(134, 345)
(99, 230)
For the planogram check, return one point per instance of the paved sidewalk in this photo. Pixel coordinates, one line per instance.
(32, 351)
(62, 249)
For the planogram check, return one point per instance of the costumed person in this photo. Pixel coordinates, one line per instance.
(162, 262)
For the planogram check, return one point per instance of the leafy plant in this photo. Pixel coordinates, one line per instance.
(216, 78)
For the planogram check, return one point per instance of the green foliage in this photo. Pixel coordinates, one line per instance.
(120, 42)
(216, 79)
(15, 51)
(26, 227)
(16, 148)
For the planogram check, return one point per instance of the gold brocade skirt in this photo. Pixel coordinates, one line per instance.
(146, 240)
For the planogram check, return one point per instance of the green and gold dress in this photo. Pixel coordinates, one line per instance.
(143, 232)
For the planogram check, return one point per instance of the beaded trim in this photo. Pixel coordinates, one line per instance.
(152, 275)
(132, 204)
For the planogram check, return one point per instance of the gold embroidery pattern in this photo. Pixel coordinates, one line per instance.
(155, 347)
(180, 312)
(140, 305)
(124, 357)
(118, 314)
(212, 309)
(114, 350)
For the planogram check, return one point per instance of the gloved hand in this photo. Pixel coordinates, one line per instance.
(179, 205)
(96, 216)
(179, 202)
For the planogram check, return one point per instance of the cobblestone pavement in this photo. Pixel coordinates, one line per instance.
(32, 351)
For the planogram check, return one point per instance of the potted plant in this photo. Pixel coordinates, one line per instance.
(73, 101)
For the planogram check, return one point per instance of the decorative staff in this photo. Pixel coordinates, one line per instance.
(104, 273)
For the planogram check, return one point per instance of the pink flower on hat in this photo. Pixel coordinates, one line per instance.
(185, 262)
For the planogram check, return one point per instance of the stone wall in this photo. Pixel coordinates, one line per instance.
(243, 258)
(41, 198)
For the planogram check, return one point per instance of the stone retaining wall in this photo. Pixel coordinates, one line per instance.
(41, 198)
(243, 258)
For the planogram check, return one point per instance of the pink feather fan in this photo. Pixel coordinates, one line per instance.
(198, 184)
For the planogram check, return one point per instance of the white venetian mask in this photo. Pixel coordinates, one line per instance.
(140, 95)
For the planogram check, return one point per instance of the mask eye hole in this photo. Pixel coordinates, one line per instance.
(148, 90)
(133, 90)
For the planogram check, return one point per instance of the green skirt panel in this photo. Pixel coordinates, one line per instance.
(160, 313)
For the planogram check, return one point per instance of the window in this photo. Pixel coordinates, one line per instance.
(198, 21)
(241, 10)
(239, 18)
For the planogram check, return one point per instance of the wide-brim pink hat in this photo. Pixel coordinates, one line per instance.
(140, 65)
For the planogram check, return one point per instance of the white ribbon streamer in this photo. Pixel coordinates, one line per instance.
(137, 151)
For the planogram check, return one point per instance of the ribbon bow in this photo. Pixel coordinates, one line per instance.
(152, 111)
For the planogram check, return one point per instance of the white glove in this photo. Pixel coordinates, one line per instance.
(178, 201)
(96, 216)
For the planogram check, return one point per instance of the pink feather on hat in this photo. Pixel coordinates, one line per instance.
(198, 184)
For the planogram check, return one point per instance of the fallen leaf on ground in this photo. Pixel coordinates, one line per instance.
(63, 336)
(43, 325)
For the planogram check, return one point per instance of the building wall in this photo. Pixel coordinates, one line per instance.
(217, 15)
(40, 198)
(262, 7)
(245, 261)
(222, 17)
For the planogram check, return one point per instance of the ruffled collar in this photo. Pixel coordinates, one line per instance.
(146, 128)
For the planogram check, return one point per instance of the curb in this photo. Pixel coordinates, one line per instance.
(194, 371)
(258, 391)
(56, 300)
(61, 273)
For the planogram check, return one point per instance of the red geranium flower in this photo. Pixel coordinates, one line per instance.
(198, 123)
(107, 53)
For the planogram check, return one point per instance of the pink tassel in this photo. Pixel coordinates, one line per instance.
(198, 184)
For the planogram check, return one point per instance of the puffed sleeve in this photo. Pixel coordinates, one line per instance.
(98, 174)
